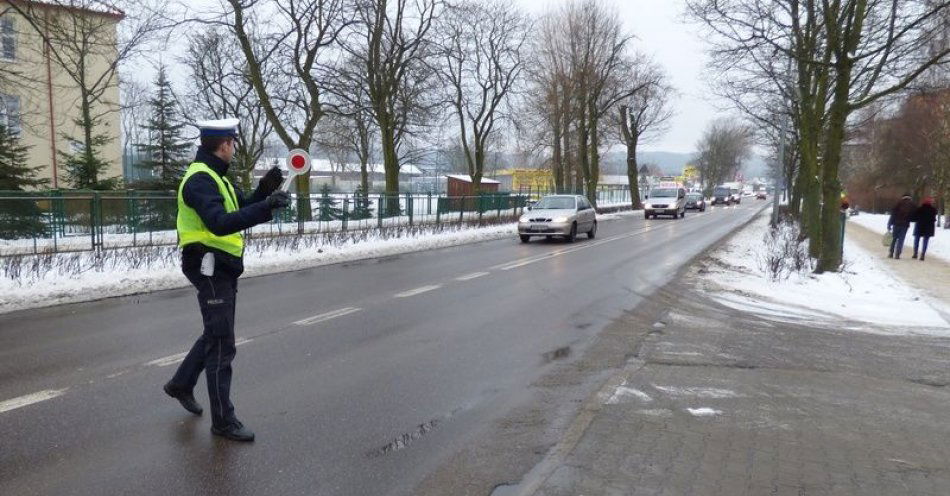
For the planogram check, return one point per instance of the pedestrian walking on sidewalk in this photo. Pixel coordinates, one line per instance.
(901, 216)
(211, 216)
(925, 221)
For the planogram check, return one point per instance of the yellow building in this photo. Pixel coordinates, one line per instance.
(38, 97)
(525, 179)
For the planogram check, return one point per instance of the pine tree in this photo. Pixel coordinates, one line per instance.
(361, 205)
(18, 218)
(15, 173)
(84, 167)
(168, 151)
(327, 206)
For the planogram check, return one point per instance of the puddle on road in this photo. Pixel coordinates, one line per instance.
(558, 354)
(505, 490)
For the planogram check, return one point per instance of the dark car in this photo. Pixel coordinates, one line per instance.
(695, 201)
(722, 195)
(760, 195)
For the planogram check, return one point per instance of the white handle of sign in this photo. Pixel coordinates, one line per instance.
(287, 181)
(302, 160)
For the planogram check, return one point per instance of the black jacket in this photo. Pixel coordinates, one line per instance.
(903, 213)
(924, 220)
(201, 193)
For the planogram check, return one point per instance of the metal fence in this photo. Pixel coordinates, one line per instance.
(64, 221)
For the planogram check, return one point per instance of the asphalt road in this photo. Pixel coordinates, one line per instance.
(358, 378)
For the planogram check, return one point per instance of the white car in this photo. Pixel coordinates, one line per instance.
(665, 201)
(558, 215)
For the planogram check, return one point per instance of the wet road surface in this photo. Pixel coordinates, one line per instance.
(358, 378)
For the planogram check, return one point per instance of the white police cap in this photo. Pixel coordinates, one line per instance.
(220, 128)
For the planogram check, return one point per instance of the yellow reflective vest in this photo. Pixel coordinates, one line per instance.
(191, 229)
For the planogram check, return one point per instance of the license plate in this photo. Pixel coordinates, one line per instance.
(538, 227)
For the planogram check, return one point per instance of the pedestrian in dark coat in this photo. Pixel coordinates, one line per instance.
(901, 216)
(924, 221)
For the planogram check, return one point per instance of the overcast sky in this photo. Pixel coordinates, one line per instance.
(673, 44)
(678, 48)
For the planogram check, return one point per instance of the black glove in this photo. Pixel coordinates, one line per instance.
(278, 199)
(271, 181)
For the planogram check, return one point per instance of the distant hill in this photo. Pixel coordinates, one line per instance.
(612, 163)
(671, 163)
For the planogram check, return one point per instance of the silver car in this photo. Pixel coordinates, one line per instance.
(558, 215)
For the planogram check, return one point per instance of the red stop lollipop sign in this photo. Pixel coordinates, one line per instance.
(298, 162)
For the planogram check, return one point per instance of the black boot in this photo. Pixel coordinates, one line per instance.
(922, 258)
(915, 256)
(234, 431)
(186, 398)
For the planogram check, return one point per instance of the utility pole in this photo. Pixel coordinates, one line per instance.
(780, 170)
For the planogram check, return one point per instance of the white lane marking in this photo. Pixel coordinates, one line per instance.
(166, 361)
(530, 260)
(469, 277)
(323, 317)
(13, 404)
(178, 357)
(413, 292)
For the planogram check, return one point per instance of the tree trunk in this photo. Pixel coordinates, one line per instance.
(93, 174)
(557, 165)
(593, 172)
(391, 167)
(633, 172)
(829, 259)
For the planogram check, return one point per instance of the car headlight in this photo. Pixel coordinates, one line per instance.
(560, 219)
(647, 206)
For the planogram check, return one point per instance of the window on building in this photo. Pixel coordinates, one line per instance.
(10, 113)
(7, 38)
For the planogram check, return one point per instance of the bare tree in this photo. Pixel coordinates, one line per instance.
(222, 88)
(88, 40)
(353, 127)
(392, 42)
(481, 51)
(846, 55)
(722, 149)
(643, 115)
(287, 46)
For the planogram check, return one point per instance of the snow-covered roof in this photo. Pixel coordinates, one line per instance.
(324, 165)
(466, 178)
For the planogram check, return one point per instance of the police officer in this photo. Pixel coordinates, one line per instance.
(211, 216)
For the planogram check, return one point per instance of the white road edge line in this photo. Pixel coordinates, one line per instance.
(323, 317)
(178, 357)
(474, 275)
(413, 292)
(29, 399)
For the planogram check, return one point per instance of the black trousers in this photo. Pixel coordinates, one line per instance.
(214, 351)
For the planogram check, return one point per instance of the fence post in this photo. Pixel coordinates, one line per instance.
(346, 212)
(379, 211)
(409, 206)
(438, 211)
(92, 221)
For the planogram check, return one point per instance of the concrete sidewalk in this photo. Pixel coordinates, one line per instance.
(715, 401)
(931, 276)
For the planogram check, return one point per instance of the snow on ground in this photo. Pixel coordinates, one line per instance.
(865, 292)
(59, 284)
(939, 244)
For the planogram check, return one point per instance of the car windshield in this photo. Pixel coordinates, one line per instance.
(692, 197)
(555, 203)
(663, 193)
(721, 192)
